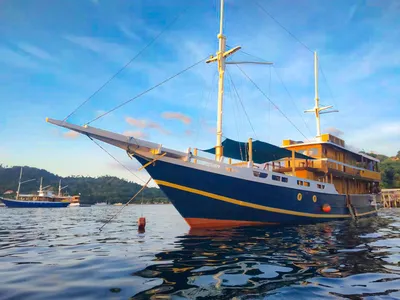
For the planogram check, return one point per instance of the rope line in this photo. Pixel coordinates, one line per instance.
(235, 117)
(261, 91)
(329, 88)
(283, 27)
(146, 91)
(128, 63)
(206, 100)
(113, 157)
(269, 104)
(251, 55)
(130, 200)
(241, 103)
(291, 99)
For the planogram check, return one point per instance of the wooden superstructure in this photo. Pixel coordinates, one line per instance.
(351, 172)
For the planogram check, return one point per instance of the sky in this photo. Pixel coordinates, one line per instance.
(55, 54)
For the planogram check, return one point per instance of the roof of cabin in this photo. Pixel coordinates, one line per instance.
(262, 151)
(335, 145)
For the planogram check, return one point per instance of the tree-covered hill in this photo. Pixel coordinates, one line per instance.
(102, 189)
(390, 170)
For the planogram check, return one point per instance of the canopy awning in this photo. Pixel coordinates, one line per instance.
(262, 152)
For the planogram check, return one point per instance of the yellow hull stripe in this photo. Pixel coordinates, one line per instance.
(252, 205)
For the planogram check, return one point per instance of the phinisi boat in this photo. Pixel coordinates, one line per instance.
(300, 182)
(44, 197)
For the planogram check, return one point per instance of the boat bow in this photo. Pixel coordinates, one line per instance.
(128, 143)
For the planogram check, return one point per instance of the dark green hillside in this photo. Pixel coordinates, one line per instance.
(102, 189)
(390, 170)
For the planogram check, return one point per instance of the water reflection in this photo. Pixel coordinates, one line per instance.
(60, 254)
(259, 262)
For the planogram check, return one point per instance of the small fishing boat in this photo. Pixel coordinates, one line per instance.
(44, 197)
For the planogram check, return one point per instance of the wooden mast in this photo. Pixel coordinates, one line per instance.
(220, 59)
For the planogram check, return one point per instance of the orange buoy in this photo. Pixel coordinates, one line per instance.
(141, 224)
(326, 208)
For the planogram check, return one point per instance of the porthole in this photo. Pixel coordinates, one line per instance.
(314, 198)
(299, 196)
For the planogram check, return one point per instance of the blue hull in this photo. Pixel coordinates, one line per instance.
(207, 199)
(31, 204)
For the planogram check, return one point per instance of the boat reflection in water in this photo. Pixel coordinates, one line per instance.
(279, 261)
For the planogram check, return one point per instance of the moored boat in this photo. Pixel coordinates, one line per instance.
(32, 204)
(254, 182)
(44, 197)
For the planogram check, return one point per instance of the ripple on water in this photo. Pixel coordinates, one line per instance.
(60, 254)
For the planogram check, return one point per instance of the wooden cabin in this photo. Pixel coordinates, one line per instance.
(351, 172)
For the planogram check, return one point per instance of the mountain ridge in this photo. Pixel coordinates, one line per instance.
(109, 189)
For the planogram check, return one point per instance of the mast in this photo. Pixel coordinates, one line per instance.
(221, 71)
(317, 109)
(220, 59)
(19, 184)
(60, 188)
(316, 94)
(41, 187)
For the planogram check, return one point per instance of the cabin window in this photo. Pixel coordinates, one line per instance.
(325, 151)
(299, 182)
(277, 178)
(320, 186)
(284, 179)
(306, 183)
(260, 174)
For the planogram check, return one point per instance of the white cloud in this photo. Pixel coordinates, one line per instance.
(35, 51)
(177, 116)
(71, 134)
(140, 123)
(112, 51)
(381, 138)
(16, 59)
(128, 32)
(137, 134)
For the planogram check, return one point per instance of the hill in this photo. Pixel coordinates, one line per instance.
(101, 189)
(390, 169)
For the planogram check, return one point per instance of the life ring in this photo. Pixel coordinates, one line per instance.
(299, 196)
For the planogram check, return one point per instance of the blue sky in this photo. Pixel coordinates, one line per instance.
(54, 54)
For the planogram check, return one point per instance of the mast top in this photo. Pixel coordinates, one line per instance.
(317, 109)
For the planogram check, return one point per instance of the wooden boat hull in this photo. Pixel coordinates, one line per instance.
(32, 204)
(207, 199)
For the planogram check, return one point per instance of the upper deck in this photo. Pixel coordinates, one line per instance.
(350, 171)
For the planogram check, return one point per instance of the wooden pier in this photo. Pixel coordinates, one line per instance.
(390, 198)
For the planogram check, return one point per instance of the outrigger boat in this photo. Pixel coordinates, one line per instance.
(300, 182)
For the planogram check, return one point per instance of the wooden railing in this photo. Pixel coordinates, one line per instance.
(325, 164)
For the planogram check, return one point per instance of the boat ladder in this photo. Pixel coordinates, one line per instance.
(351, 208)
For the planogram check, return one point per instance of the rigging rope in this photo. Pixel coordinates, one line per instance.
(291, 99)
(206, 100)
(326, 81)
(261, 91)
(235, 118)
(283, 27)
(269, 103)
(241, 103)
(148, 90)
(113, 157)
(240, 100)
(130, 200)
(128, 63)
